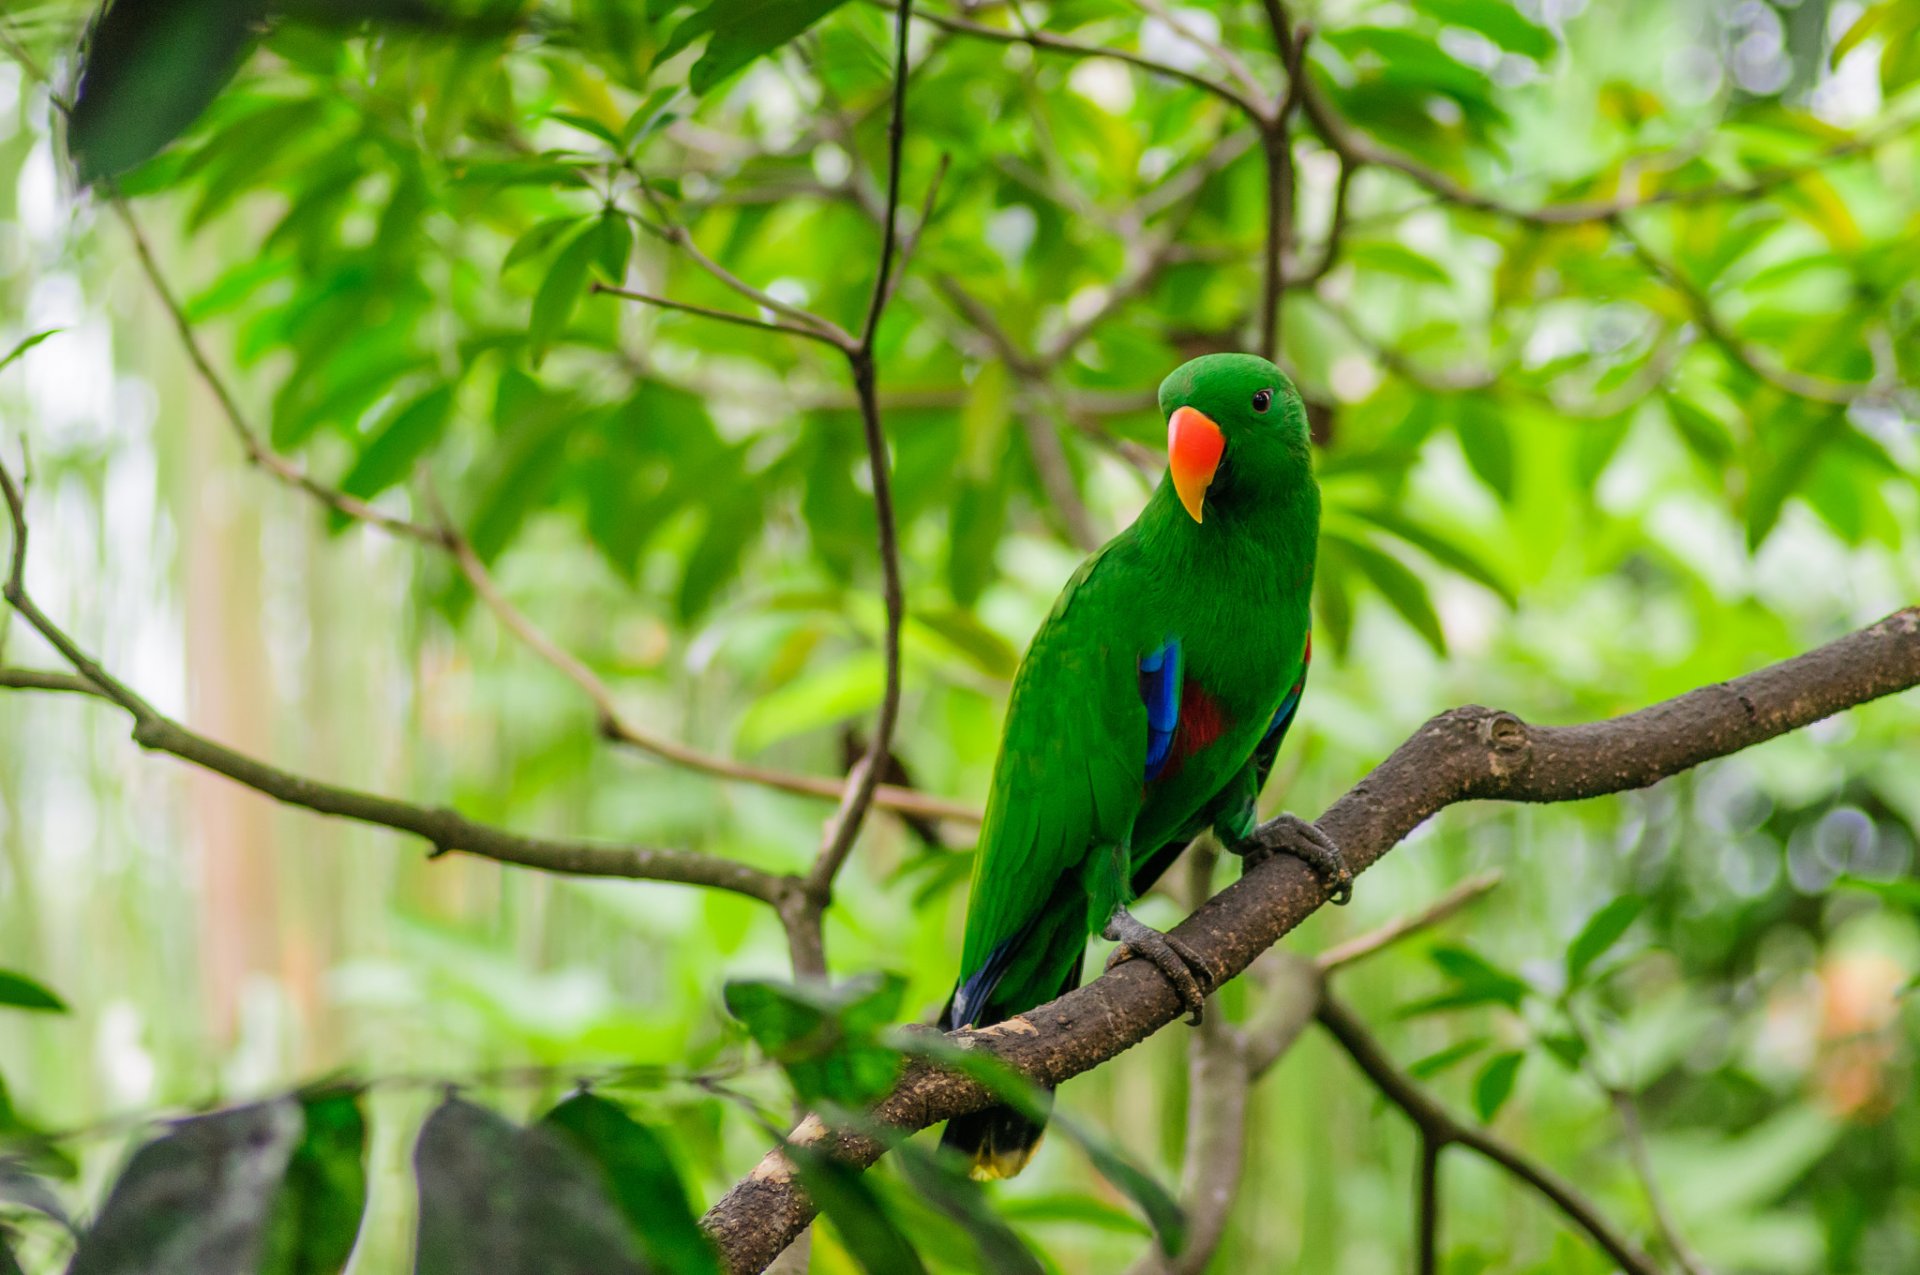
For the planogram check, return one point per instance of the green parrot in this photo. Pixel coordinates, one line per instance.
(1148, 710)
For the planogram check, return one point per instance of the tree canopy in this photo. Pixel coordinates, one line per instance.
(626, 448)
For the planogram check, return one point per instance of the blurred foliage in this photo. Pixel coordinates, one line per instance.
(1572, 464)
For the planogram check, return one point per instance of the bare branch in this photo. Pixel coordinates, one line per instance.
(1278, 146)
(1438, 1129)
(1467, 754)
(446, 830)
(29, 679)
(1470, 891)
(1044, 42)
(844, 827)
(724, 316)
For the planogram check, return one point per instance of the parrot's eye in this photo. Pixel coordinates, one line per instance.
(1262, 400)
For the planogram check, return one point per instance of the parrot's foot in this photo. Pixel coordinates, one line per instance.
(1301, 838)
(1180, 963)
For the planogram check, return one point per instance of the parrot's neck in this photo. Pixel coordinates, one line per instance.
(1260, 549)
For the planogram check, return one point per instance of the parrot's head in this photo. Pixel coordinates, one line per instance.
(1236, 434)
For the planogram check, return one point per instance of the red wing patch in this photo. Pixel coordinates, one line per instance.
(1202, 720)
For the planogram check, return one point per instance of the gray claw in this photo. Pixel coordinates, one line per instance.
(1180, 964)
(1303, 839)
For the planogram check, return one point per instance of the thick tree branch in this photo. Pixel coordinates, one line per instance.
(445, 829)
(1466, 754)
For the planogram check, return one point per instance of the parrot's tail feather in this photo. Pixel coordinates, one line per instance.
(997, 1142)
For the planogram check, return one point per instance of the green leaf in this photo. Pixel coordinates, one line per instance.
(1442, 1059)
(389, 456)
(1602, 930)
(1499, 21)
(963, 1200)
(147, 72)
(566, 279)
(536, 239)
(827, 1039)
(28, 1190)
(1476, 981)
(1440, 548)
(1404, 591)
(316, 1220)
(1567, 1049)
(1488, 445)
(500, 1200)
(1009, 1086)
(196, 1201)
(871, 1235)
(641, 1179)
(1901, 893)
(1384, 256)
(25, 344)
(741, 31)
(1494, 1085)
(20, 992)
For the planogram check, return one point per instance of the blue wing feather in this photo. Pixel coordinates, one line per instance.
(1160, 689)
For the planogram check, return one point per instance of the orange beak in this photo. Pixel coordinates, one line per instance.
(1194, 444)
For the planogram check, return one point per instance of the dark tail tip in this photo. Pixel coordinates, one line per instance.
(997, 1141)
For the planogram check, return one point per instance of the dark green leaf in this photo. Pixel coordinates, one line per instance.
(537, 239)
(500, 1200)
(871, 1235)
(408, 434)
(1602, 930)
(1440, 548)
(741, 31)
(827, 1039)
(21, 1186)
(566, 280)
(1009, 1086)
(147, 72)
(963, 1200)
(317, 1217)
(1443, 1059)
(196, 1201)
(1476, 981)
(1404, 591)
(1494, 1085)
(1567, 1049)
(20, 992)
(641, 1179)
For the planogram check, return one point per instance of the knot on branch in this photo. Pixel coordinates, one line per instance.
(149, 733)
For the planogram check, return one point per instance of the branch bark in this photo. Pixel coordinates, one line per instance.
(1466, 754)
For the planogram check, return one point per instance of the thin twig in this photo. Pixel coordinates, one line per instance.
(444, 829)
(1818, 389)
(1359, 948)
(708, 312)
(1043, 42)
(844, 827)
(1438, 1129)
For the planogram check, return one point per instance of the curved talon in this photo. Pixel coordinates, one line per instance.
(1304, 840)
(1180, 964)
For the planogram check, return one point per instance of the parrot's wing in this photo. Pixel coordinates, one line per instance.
(1067, 786)
(1269, 746)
